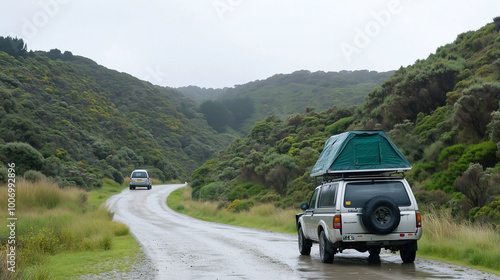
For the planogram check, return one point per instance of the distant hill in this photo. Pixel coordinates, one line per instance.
(284, 95)
(86, 122)
(199, 95)
(443, 113)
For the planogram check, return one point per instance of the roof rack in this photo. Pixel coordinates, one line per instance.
(362, 176)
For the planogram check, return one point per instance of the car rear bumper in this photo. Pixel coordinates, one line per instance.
(139, 184)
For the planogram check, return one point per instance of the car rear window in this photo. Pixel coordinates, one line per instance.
(358, 193)
(139, 175)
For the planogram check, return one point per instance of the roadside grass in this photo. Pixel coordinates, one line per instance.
(461, 242)
(57, 226)
(262, 216)
(446, 239)
(121, 258)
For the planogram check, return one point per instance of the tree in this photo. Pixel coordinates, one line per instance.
(278, 170)
(13, 46)
(216, 114)
(474, 185)
(240, 108)
(497, 23)
(52, 166)
(473, 110)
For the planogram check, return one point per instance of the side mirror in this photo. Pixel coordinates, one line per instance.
(304, 206)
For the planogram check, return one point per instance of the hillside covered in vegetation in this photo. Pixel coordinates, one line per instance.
(68, 118)
(442, 112)
(282, 95)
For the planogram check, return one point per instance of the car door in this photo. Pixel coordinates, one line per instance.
(308, 217)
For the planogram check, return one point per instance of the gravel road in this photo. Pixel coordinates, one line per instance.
(180, 247)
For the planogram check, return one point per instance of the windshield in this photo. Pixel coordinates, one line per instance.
(358, 193)
(139, 175)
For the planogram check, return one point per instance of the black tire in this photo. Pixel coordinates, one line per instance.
(325, 252)
(408, 252)
(374, 251)
(407, 255)
(304, 243)
(381, 215)
(130, 187)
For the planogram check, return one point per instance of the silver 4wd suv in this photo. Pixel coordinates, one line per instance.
(366, 213)
(140, 178)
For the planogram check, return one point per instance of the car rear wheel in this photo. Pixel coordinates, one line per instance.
(408, 252)
(325, 253)
(304, 243)
(374, 251)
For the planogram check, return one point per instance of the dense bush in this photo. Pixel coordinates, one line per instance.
(23, 155)
(34, 176)
(211, 191)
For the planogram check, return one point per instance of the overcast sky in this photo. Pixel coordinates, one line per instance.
(220, 43)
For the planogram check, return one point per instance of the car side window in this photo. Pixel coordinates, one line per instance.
(314, 197)
(328, 195)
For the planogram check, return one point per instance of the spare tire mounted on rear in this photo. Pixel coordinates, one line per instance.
(381, 215)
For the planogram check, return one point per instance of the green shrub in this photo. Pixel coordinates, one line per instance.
(119, 229)
(488, 213)
(456, 159)
(240, 205)
(339, 126)
(270, 197)
(118, 177)
(52, 166)
(38, 241)
(211, 191)
(3, 174)
(255, 190)
(34, 176)
(23, 155)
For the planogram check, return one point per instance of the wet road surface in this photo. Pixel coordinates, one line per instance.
(181, 247)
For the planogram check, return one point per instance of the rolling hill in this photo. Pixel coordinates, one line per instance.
(84, 121)
(284, 95)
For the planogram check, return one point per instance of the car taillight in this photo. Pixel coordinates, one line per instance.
(130, 179)
(148, 179)
(337, 222)
(419, 219)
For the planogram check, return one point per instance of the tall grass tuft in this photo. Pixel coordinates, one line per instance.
(52, 220)
(474, 244)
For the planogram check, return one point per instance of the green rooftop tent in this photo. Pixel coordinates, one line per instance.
(360, 151)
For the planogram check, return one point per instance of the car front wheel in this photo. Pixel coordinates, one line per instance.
(304, 243)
